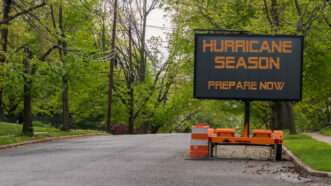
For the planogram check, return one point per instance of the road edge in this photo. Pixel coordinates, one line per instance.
(49, 139)
(307, 169)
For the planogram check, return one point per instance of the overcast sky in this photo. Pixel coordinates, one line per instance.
(158, 19)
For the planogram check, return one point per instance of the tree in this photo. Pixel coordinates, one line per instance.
(7, 6)
(269, 17)
(282, 112)
(111, 69)
(27, 111)
(145, 8)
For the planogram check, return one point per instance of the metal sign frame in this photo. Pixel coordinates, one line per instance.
(244, 34)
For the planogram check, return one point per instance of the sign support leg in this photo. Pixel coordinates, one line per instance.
(245, 132)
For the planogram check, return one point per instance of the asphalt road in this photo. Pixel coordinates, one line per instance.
(136, 160)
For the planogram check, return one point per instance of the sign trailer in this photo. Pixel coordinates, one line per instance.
(248, 67)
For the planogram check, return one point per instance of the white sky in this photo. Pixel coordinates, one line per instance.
(158, 19)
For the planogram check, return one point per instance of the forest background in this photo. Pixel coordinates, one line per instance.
(88, 64)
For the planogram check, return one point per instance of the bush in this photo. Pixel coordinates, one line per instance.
(119, 129)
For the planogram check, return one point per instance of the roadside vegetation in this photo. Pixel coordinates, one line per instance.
(314, 153)
(326, 131)
(90, 64)
(11, 133)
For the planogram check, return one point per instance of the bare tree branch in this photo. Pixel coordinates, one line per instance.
(298, 8)
(266, 10)
(10, 18)
(48, 52)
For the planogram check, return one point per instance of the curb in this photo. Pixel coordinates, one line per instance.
(305, 167)
(49, 139)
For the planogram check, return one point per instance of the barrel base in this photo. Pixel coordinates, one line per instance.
(199, 154)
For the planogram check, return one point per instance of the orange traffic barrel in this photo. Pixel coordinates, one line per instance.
(199, 141)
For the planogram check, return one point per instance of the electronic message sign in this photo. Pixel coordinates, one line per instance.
(248, 67)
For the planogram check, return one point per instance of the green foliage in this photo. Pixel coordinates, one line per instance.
(11, 133)
(167, 104)
(326, 131)
(311, 113)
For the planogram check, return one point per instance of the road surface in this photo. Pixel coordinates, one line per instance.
(136, 160)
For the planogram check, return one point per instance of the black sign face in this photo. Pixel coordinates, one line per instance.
(248, 67)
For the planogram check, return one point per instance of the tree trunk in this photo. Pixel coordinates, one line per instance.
(142, 65)
(6, 6)
(282, 116)
(276, 106)
(131, 110)
(65, 79)
(111, 69)
(282, 112)
(4, 28)
(328, 113)
(65, 104)
(130, 80)
(275, 16)
(290, 118)
(275, 123)
(27, 111)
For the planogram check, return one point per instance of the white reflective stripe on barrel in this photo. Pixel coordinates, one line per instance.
(200, 130)
(199, 142)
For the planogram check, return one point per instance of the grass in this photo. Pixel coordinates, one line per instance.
(314, 153)
(11, 133)
(326, 131)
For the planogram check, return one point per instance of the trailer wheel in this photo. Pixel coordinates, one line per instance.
(278, 152)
